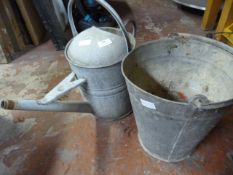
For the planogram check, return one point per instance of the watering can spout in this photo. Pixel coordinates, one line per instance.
(49, 103)
(58, 106)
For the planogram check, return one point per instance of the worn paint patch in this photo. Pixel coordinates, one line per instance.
(12, 129)
(151, 26)
(69, 119)
(185, 20)
(9, 149)
(66, 155)
(51, 132)
(17, 164)
(27, 125)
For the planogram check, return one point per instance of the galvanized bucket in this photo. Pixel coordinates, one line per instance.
(179, 88)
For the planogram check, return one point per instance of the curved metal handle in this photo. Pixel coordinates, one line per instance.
(61, 89)
(111, 11)
(118, 20)
(70, 17)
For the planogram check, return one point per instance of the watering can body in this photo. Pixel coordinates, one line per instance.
(98, 61)
(105, 90)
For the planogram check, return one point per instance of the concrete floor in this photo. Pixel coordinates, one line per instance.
(37, 143)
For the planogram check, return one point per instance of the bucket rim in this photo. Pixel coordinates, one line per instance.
(133, 45)
(173, 36)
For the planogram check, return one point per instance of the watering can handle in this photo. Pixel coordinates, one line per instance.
(61, 89)
(111, 11)
(70, 17)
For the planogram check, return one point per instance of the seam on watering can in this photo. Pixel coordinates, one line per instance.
(122, 85)
(117, 118)
(177, 139)
(103, 96)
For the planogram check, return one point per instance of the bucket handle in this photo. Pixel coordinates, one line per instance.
(115, 15)
(66, 85)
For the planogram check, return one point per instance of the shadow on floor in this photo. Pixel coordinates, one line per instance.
(102, 146)
(22, 150)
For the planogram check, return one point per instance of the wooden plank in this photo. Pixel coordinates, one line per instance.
(6, 46)
(21, 22)
(3, 57)
(11, 23)
(32, 20)
(14, 39)
(8, 29)
(226, 18)
(211, 13)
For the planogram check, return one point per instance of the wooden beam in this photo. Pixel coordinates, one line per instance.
(211, 14)
(32, 20)
(6, 46)
(226, 18)
(10, 20)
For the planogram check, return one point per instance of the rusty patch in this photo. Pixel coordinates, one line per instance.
(182, 96)
(8, 104)
(19, 119)
(206, 88)
(173, 46)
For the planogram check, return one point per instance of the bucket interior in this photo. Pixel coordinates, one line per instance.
(179, 68)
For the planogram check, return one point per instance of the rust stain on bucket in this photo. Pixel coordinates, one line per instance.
(182, 96)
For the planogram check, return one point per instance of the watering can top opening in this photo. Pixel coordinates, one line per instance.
(97, 47)
(181, 67)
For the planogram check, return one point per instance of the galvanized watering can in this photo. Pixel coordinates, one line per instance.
(95, 57)
(179, 87)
